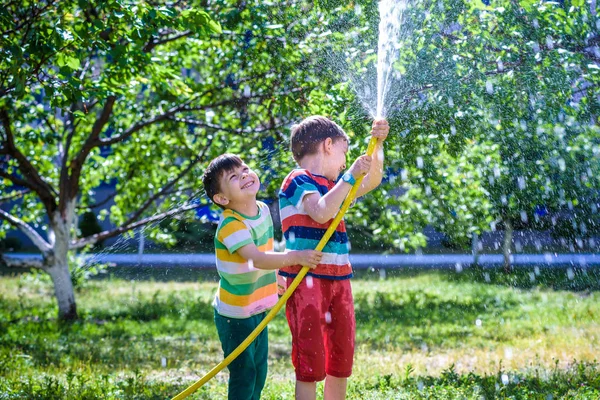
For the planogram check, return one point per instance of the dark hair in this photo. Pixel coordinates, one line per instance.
(215, 170)
(308, 134)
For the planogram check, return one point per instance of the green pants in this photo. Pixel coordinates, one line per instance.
(248, 372)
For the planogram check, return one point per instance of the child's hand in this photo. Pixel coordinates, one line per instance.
(361, 166)
(309, 258)
(380, 129)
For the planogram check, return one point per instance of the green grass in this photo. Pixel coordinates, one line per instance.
(473, 335)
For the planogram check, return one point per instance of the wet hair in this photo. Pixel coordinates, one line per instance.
(214, 172)
(308, 134)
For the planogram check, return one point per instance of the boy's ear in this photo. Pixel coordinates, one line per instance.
(327, 144)
(220, 199)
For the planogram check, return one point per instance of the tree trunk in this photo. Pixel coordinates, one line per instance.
(57, 265)
(63, 290)
(506, 246)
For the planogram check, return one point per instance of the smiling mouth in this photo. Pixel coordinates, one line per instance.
(247, 185)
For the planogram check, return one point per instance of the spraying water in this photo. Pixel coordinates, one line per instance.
(390, 14)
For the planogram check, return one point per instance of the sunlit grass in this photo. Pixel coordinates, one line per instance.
(428, 335)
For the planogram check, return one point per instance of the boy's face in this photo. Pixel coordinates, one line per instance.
(238, 185)
(337, 157)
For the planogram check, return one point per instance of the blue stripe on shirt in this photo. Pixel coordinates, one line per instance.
(302, 232)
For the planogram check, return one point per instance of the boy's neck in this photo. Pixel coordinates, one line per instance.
(315, 164)
(248, 208)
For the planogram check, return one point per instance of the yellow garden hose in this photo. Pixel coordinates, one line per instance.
(191, 389)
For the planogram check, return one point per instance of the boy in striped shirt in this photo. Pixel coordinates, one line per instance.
(320, 312)
(247, 266)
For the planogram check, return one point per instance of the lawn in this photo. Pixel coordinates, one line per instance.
(445, 335)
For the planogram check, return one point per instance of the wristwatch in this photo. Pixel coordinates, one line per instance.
(347, 177)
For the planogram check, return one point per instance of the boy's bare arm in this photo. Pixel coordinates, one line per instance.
(373, 179)
(375, 175)
(273, 260)
(323, 208)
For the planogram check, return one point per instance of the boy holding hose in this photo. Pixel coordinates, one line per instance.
(246, 264)
(320, 312)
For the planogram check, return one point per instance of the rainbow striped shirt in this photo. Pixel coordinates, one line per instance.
(244, 290)
(302, 232)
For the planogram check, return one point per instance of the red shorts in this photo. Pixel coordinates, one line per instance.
(320, 314)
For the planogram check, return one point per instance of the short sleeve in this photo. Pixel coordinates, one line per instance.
(234, 234)
(299, 187)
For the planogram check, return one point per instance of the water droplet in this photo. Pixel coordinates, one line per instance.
(424, 347)
(508, 353)
(505, 379)
(489, 87)
(549, 42)
(453, 130)
(458, 267)
(309, 282)
(419, 162)
(570, 273)
(536, 23)
(247, 91)
(518, 245)
(327, 317)
(500, 66)
(524, 217)
(493, 226)
(250, 264)
(536, 270)
(536, 47)
(404, 174)
(428, 190)
(478, 322)
(163, 362)
(420, 386)
(486, 276)
(561, 164)
(292, 237)
(531, 277)
(496, 171)
(521, 182)
(450, 102)
(209, 115)
(382, 274)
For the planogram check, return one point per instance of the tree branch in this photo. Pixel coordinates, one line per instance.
(71, 188)
(165, 188)
(35, 181)
(203, 124)
(143, 124)
(90, 240)
(165, 39)
(14, 196)
(37, 240)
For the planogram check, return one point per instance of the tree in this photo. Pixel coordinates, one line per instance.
(142, 94)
